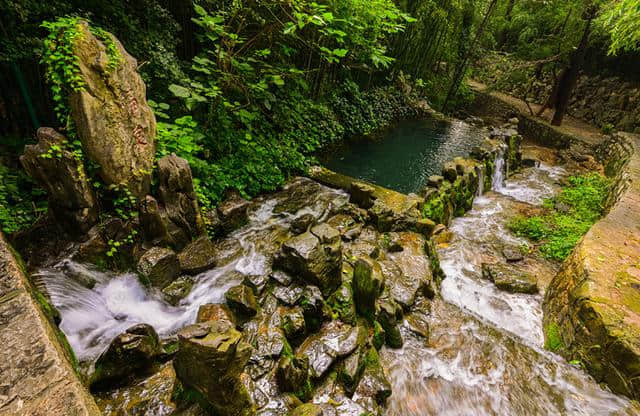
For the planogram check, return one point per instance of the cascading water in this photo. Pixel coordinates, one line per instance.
(499, 170)
(484, 355)
(95, 307)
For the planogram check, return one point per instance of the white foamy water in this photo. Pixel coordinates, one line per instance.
(92, 317)
(484, 355)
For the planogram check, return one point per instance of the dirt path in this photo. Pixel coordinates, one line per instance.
(573, 126)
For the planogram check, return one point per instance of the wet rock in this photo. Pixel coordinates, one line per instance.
(309, 409)
(198, 256)
(113, 121)
(373, 383)
(326, 233)
(292, 373)
(362, 195)
(155, 224)
(434, 181)
(289, 295)
(529, 162)
(293, 323)
(302, 223)
(233, 212)
(210, 360)
(512, 254)
(130, 352)
(342, 305)
(509, 279)
(425, 226)
(215, 312)
(379, 336)
(177, 290)
(418, 319)
(177, 195)
(335, 339)
(368, 282)
(212, 222)
(281, 277)
(449, 172)
(158, 267)
(316, 262)
(351, 370)
(72, 202)
(242, 301)
(387, 316)
(312, 304)
(257, 282)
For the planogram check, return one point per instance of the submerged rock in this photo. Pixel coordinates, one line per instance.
(72, 202)
(130, 352)
(114, 123)
(509, 279)
(158, 267)
(198, 256)
(210, 360)
(177, 290)
(316, 262)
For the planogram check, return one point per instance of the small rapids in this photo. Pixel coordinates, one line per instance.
(95, 307)
(485, 352)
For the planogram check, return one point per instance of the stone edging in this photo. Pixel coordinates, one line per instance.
(36, 377)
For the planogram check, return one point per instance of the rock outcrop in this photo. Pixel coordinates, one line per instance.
(72, 202)
(211, 358)
(159, 267)
(114, 123)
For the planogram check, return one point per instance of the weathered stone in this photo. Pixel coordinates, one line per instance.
(387, 316)
(178, 197)
(233, 212)
(308, 409)
(215, 312)
(512, 254)
(132, 351)
(425, 226)
(37, 376)
(317, 263)
(509, 279)
(177, 290)
(114, 123)
(326, 234)
(281, 277)
(210, 359)
(434, 181)
(72, 202)
(302, 223)
(449, 172)
(293, 323)
(288, 295)
(242, 300)
(292, 373)
(198, 256)
(312, 304)
(342, 305)
(158, 267)
(257, 282)
(335, 339)
(156, 225)
(212, 222)
(351, 370)
(373, 383)
(368, 282)
(362, 195)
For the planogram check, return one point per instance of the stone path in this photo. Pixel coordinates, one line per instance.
(36, 379)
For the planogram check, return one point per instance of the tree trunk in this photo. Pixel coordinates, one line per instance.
(568, 79)
(507, 17)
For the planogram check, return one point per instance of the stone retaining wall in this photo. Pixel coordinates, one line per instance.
(592, 306)
(36, 377)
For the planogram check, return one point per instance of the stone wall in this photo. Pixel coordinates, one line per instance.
(36, 377)
(592, 306)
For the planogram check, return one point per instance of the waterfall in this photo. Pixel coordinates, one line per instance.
(480, 172)
(497, 181)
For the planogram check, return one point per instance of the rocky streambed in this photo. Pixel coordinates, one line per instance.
(347, 299)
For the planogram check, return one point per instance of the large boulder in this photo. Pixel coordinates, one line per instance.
(210, 360)
(198, 256)
(159, 267)
(316, 261)
(233, 212)
(242, 301)
(72, 202)
(334, 340)
(115, 125)
(179, 199)
(130, 352)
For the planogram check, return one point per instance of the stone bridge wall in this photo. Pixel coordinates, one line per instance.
(592, 306)
(36, 376)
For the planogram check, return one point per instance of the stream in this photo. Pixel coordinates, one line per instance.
(485, 352)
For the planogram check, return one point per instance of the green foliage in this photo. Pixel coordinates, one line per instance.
(622, 22)
(21, 201)
(553, 339)
(568, 216)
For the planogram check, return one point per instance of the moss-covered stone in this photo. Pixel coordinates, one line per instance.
(368, 282)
